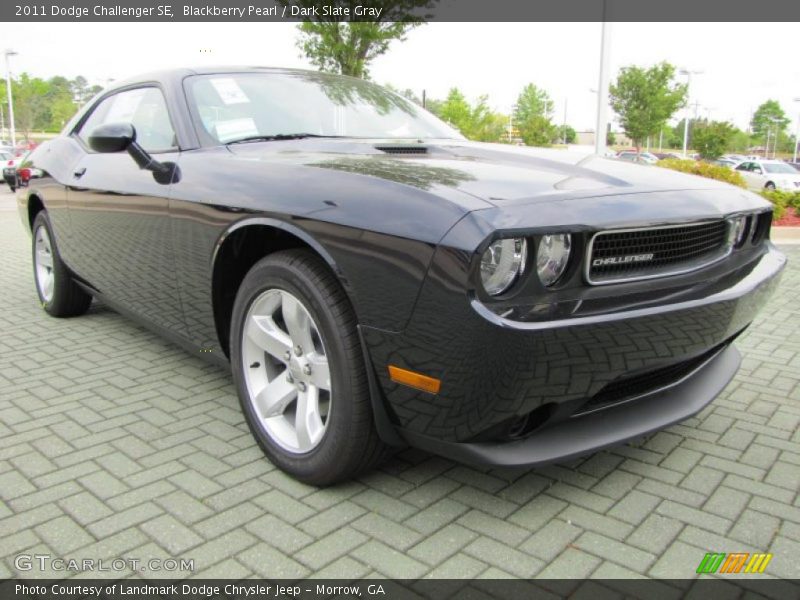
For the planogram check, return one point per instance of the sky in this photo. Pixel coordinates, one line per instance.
(742, 64)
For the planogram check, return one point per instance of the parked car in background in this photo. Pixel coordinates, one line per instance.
(666, 155)
(643, 158)
(10, 170)
(373, 278)
(726, 162)
(769, 175)
(737, 158)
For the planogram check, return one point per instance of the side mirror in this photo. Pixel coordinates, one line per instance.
(116, 137)
(759, 171)
(112, 137)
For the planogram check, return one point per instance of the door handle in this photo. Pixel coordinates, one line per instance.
(79, 173)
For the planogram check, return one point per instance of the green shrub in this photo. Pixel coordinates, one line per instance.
(781, 200)
(703, 169)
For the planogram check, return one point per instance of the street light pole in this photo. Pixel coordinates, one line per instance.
(688, 74)
(796, 135)
(8, 53)
(602, 87)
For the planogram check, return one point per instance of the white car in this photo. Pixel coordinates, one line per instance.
(769, 175)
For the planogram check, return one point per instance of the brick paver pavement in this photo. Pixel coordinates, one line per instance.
(117, 444)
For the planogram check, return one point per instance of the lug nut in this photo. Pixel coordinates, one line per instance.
(287, 355)
(298, 350)
(307, 369)
(301, 386)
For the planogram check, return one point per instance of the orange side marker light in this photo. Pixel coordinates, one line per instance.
(414, 380)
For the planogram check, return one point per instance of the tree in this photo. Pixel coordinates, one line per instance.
(566, 134)
(487, 125)
(740, 142)
(477, 122)
(645, 99)
(677, 132)
(31, 109)
(769, 117)
(43, 105)
(532, 116)
(712, 139)
(348, 47)
(407, 93)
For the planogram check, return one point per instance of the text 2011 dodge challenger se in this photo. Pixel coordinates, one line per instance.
(374, 279)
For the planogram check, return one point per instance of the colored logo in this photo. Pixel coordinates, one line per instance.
(735, 562)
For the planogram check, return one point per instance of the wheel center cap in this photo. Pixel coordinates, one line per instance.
(296, 369)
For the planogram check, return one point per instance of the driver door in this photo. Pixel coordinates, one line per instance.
(745, 171)
(120, 214)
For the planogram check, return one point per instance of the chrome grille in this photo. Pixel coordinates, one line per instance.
(631, 254)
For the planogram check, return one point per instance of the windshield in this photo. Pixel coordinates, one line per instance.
(237, 106)
(780, 168)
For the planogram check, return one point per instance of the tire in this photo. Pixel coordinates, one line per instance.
(770, 187)
(291, 303)
(58, 293)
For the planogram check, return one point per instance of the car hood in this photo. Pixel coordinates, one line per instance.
(497, 174)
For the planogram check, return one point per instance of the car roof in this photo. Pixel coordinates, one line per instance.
(181, 73)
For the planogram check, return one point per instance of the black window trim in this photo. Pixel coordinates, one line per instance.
(74, 134)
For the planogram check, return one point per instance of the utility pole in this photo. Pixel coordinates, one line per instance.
(602, 86)
(8, 53)
(688, 74)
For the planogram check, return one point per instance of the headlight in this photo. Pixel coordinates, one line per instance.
(502, 263)
(552, 257)
(738, 229)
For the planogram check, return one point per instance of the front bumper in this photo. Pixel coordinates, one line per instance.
(592, 432)
(495, 372)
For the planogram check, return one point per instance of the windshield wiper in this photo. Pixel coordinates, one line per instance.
(279, 137)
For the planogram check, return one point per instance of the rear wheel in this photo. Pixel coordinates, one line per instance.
(299, 370)
(770, 187)
(59, 294)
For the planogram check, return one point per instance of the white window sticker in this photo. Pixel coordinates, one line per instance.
(235, 129)
(124, 106)
(229, 91)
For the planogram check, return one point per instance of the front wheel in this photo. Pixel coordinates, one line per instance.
(299, 370)
(59, 294)
(770, 187)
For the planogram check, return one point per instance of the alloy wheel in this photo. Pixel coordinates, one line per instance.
(43, 258)
(286, 371)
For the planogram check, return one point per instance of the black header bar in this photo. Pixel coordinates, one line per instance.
(273, 11)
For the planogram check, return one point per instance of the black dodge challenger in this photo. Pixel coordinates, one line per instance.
(375, 280)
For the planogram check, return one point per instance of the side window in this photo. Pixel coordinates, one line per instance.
(745, 166)
(145, 108)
